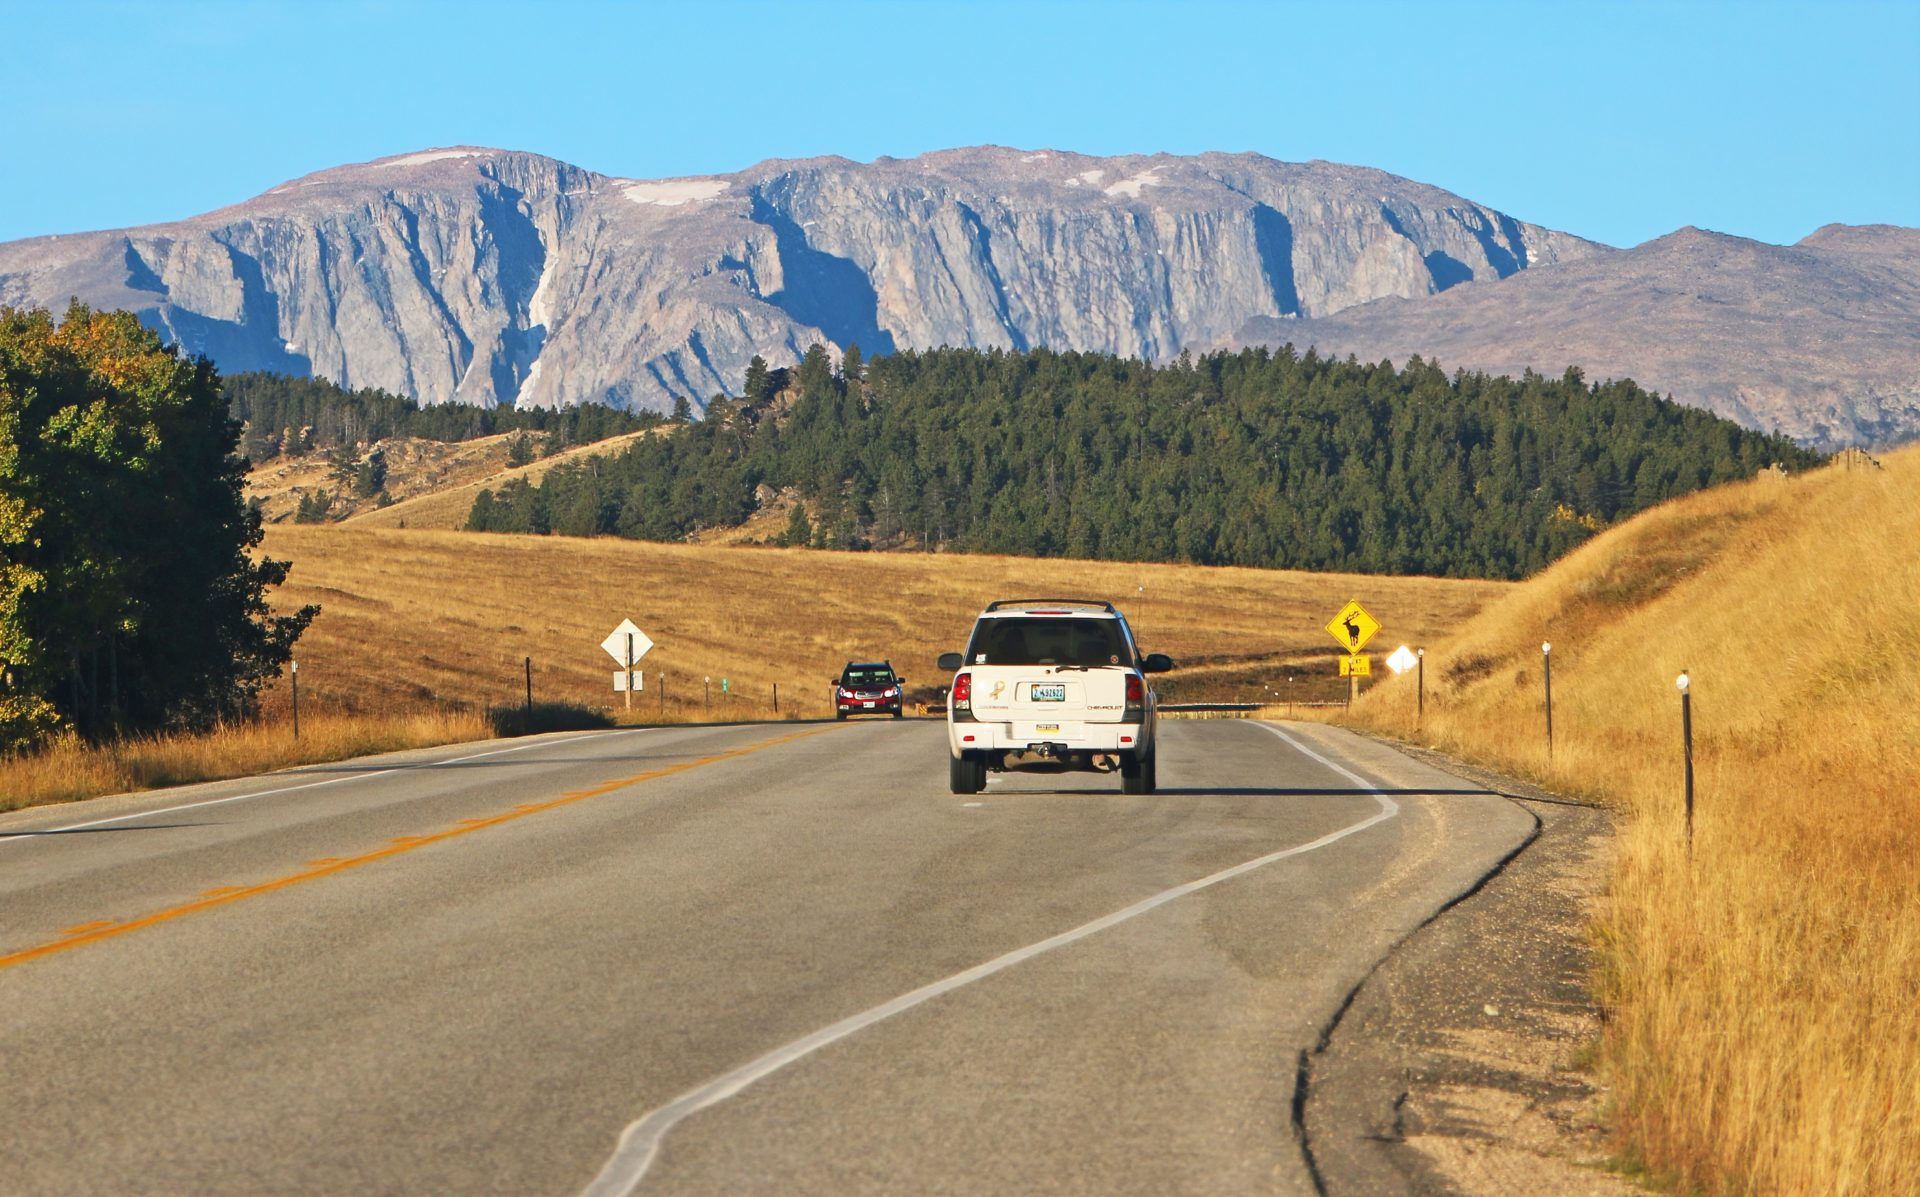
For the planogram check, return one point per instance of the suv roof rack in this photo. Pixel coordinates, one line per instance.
(1102, 604)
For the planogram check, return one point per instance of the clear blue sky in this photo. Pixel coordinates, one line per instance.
(1617, 121)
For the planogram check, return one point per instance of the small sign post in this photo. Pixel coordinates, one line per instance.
(1686, 737)
(1420, 712)
(296, 700)
(1546, 670)
(1352, 627)
(626, 645)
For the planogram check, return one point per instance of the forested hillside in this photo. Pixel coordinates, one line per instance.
(283, 414)
(1251, 458)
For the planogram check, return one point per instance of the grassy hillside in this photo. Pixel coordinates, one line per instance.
(413, 617)
(445, 506)
(432, 482)
(1764, 994)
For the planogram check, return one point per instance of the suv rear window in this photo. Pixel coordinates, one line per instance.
(1043, 641)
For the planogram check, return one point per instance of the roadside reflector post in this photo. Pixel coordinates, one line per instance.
(663, 694)
(776, 698)
(296, 700)
(529, 694)
(1420, 712)
(1686, 737)
(708, 681)
(1546, 667)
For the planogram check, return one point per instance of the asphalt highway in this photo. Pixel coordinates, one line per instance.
(722, 960)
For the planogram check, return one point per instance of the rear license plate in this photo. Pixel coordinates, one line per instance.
(1048, 693)
(1041, 729)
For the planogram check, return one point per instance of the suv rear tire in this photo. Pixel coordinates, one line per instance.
(966, 774)
(1137, 774)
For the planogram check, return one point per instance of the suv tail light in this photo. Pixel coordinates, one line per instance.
(1136, 690)
(960, 699)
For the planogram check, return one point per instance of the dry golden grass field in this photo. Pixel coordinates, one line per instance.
(415, 618)
(1764, 993)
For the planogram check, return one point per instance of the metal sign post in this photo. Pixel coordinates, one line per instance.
(1686, 737)
(1546, 666)
(529, 693)
(296, 700)
(1420, 712)
(626, 645)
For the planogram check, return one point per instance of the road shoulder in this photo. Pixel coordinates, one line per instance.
(1456, 1065)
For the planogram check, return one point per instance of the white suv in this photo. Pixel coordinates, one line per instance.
(1052, 685)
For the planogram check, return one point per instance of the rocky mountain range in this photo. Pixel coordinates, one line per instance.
(491, 277)
(499, 277)
(1819, 340)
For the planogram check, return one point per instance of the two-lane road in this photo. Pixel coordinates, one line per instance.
(776, 959)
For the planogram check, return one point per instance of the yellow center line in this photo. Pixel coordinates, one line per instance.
(326, 866)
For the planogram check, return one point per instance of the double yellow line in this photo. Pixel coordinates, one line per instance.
(226, 895)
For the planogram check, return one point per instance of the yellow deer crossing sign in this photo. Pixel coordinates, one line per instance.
(1353, 627)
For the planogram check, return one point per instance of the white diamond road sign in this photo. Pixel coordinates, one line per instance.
(616, 644)
(1402, 659)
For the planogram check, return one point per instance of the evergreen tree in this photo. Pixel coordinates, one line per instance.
(757, 388)
(370, 476)
(799, 533)
(519, 451)
(314, 508)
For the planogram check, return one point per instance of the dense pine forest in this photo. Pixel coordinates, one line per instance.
(1251, 458)
(298, 415)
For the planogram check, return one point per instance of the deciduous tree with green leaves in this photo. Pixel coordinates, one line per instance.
(130, 598)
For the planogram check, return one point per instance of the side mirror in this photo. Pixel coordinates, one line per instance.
(951, 662)
(900, 682)
(1156, 663)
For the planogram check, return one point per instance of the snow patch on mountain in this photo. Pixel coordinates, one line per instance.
(671, 193)
(431, 156)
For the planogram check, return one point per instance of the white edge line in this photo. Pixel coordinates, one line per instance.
(7, 837)
(640, 1142)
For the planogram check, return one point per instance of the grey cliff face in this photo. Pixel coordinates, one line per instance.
(495, 277)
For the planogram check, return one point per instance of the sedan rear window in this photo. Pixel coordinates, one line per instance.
(1048, 642)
